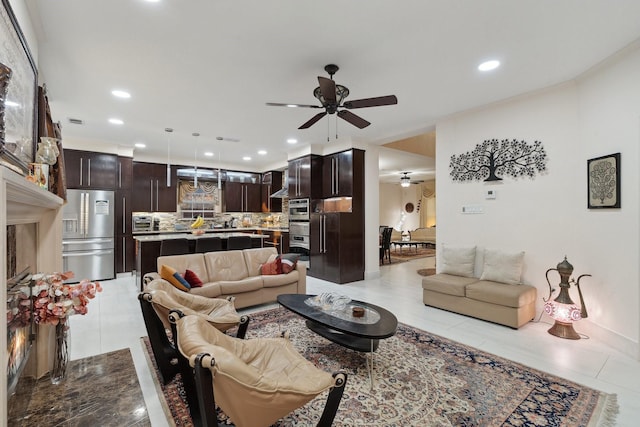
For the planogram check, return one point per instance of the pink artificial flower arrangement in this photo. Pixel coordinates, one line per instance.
(54, 300)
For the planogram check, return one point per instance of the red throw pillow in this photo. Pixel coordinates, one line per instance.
(193, 279)
(271, 268)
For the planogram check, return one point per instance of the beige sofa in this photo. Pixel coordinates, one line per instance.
(423, 235)
(237, 274)
(497, 295)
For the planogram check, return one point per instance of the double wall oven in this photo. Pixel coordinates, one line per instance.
(299, 226)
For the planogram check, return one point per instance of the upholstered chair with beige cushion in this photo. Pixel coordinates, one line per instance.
(255, 382)
(160, 297)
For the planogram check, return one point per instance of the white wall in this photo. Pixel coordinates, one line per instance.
(547, 217)
(393, 199)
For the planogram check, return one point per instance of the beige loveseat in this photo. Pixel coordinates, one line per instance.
(496, 295)
(423, 235)
(237, 274)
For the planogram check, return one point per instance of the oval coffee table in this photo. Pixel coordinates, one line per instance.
(339, 326)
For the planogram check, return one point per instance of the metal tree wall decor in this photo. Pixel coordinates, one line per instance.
(493, 159)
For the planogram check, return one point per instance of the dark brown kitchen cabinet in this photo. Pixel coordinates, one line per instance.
(271, 182)
(123, 209)
(124, 173)
(242, 197)
(336, 247)
(125, 256)
(305, 177)
(90, 170)
(150, 188)
(277, 239)
(339, 171)
(124, 245)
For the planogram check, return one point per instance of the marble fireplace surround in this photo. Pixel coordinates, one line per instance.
(22, 202)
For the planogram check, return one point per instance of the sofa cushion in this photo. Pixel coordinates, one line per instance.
(172, 276)
(193, 279)
(447, 284)
(255, 257)
(280, 279)
(501, 293)
(271, 268)
(459, 261)
(226, 265)
(210, 290)
(230, 287)
(193, 262)
(289, 262)
(502, 267)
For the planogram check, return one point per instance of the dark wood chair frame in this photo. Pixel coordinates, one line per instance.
(385, 245)
(164, 350)
(198, 385)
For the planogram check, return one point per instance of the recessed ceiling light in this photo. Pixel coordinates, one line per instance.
(121, 94)
(489, 65)
(152, 1)
(262, 152)
(246, 158)
(292, 141)
(292, 106)
(140, 145)
(11, 103)
(115, 121)
(208, 154)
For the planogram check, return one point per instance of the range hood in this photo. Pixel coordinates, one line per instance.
(282, 193)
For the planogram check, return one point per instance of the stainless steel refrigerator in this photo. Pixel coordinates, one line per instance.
(88, 235)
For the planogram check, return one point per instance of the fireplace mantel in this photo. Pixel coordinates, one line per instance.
(22, 202)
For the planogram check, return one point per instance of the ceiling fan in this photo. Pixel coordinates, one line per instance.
(405, 180)
(332, 97)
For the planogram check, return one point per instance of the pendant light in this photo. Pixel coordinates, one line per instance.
(168, 131)
(195, 175)
(405, 181)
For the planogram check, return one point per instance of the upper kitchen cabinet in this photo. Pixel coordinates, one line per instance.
(124, 173)
(90, 170)
(305, 177)
(343, 173)
(271, 182)
(242, 197)
(150, 188)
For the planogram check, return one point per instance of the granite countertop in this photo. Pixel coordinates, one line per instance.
(173, 235)
(213, 230)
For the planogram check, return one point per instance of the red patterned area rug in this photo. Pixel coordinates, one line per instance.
(407, 253)
(426, 380)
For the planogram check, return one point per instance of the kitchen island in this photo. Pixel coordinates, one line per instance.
(148, 247)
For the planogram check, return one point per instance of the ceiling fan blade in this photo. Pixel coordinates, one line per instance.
(278, 104)
(313, 120)
(371, 102)
(357, 121)
(327, 88)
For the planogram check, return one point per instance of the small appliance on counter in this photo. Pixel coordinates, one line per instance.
(142, 223)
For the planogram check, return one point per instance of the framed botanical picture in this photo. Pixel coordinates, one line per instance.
(603, 177)
(18, 112)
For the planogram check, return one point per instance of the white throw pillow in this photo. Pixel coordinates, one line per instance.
(503, 267)
(458, 261)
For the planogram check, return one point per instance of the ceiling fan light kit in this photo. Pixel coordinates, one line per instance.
(405, 180)
(332, 97)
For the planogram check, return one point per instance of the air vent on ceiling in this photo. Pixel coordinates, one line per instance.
(75, 121)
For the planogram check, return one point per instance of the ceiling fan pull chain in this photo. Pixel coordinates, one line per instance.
(328, 129)
(336, 127)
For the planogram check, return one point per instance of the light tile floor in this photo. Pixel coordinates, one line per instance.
(114, 321)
